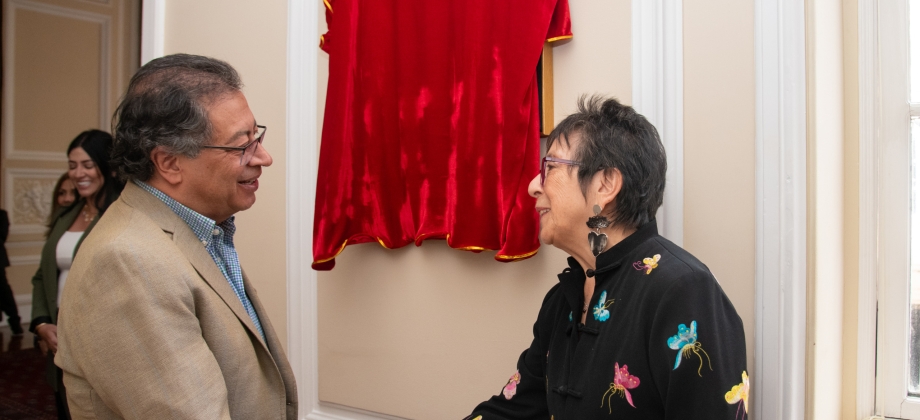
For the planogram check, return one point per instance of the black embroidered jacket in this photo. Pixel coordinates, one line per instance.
(660, 341)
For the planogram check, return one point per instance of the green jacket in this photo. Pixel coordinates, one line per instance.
(45, 281)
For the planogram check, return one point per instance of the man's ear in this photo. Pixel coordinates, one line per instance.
(609, 182)
(166, 165)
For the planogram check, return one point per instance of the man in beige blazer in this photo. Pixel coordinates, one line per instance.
(157, 320)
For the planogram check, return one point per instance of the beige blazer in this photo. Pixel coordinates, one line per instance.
(149, 328)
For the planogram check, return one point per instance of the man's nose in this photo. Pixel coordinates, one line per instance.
(261, 156)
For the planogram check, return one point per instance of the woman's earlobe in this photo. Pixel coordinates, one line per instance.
(611, 185)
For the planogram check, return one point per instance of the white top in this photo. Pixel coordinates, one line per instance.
(64, 256)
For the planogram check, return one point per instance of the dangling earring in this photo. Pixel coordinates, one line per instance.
(597, 240)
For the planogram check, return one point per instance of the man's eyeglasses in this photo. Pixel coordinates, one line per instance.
(248, 149)
(556, 160)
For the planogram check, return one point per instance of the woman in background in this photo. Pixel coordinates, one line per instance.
(636, 328)
(63, 195)
(88, 159)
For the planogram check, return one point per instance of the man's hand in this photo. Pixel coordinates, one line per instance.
(48, 335)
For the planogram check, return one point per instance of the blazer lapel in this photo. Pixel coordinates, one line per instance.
(192, 248)
(273, 343)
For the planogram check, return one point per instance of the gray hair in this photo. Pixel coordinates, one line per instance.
(614, 135)
(166, 105)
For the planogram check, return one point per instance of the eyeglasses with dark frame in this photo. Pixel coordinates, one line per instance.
(556, 160)
(248, 149)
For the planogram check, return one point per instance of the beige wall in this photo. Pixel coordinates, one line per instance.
(68, 62)
(401, 328)
(719, 148)
(252, 37)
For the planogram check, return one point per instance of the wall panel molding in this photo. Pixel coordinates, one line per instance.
(780, 210)
(105, 69)
(25, 260)
(868, 209)
(27, 198)
(658, 94)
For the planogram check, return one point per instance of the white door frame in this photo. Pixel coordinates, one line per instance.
(780, 210)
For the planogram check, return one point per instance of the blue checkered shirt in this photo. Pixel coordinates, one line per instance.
(218, 240)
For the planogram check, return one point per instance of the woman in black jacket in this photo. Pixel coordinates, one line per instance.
(636, 328)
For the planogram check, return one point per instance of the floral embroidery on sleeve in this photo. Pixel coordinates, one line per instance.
(622, 383)
(685, 343)
(739, 393)
(511, 387)
(647, 264)
(600, 310)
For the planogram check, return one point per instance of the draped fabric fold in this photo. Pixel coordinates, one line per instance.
(431, 126)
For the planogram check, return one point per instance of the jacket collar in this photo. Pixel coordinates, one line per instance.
(573, 277)
(192, 247)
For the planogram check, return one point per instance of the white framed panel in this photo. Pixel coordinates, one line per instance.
(9, 77)
(780, 210)
(27, 198)
(658, 94)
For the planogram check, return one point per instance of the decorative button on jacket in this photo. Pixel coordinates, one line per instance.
(661, 341)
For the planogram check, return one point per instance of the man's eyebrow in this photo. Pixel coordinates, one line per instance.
(244, 132)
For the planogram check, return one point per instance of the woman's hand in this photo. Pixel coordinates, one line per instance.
(48, 335)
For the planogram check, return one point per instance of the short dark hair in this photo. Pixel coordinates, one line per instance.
(165, 105)
(614, 135)
(98, 145)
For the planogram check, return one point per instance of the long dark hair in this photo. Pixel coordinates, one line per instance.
(98, 145)
(55, 207)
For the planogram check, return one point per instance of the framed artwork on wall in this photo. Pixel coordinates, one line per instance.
(545, 84)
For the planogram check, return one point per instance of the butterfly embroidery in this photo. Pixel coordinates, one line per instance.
(739, 393)
(511, 387)
(622, 383)
(600, 310)
(685, 343)
(647, 264)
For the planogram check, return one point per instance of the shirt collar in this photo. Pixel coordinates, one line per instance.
(202, 226)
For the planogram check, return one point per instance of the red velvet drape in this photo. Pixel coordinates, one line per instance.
(432, 124)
